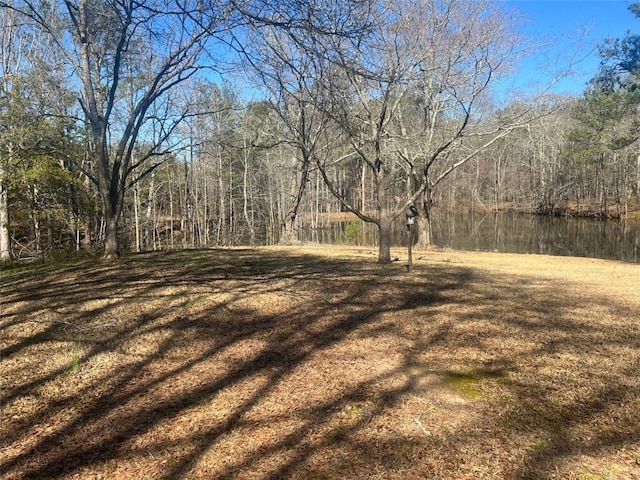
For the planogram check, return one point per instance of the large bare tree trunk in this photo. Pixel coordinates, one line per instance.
(384, 242)
(423, 221)
(111, 246)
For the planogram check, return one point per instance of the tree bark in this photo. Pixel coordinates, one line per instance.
(384, 243)
(297, 189)
(5, 238)
(111, 246)
(245, 198)
(423, 221)
(637, 176)
(136, 216)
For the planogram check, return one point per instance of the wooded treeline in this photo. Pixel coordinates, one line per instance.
(149, 125)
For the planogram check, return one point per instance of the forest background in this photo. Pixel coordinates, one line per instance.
(134, 126)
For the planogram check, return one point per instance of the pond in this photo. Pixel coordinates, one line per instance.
(505, 232)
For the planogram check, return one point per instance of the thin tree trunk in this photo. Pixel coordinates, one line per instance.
(195, 215)
(154, 225)
(638, 176)
(245, 194)
(232, 216)
(171, 215)
(273, 211)
(5, 238)
(206, 208)
(363, 187)
(184, 206)
(149, 236)
(136, 215)
(316, 203)
(222, 220)
(35, 222)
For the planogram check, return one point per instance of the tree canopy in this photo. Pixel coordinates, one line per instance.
(197, 123)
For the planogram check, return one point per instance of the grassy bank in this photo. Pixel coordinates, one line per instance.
(312, 363)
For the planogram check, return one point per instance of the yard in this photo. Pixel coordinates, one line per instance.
(318, 363)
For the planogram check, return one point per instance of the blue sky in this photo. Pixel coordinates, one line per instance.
(557, 26)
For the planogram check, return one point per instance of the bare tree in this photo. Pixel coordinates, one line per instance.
(281, 49)
(127, 56)
(462, 49)
(408, 101)
(286, 71)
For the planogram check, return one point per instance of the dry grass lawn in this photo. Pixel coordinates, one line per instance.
(318, 363)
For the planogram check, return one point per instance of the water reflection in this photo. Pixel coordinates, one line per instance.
(507, 232)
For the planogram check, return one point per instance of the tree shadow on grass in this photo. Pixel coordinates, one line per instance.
(261, 364)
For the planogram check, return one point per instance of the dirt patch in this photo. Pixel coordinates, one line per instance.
(315, 362)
